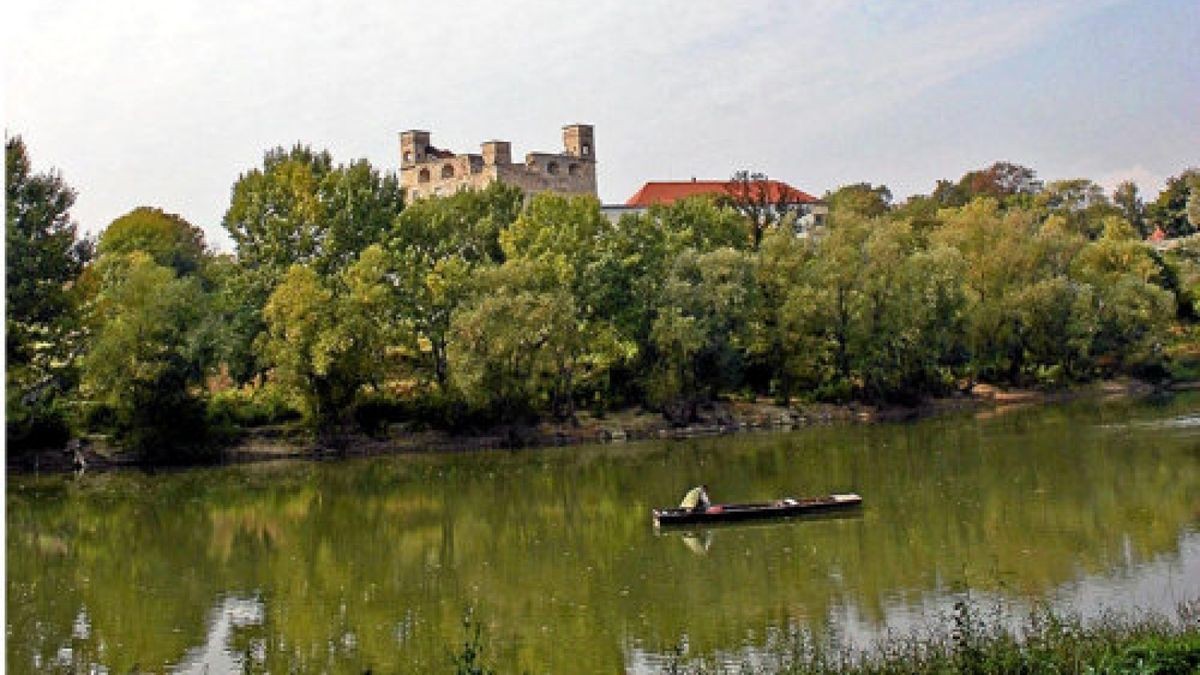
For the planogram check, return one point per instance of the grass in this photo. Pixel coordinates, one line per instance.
(977, 643)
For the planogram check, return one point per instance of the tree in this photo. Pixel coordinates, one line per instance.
(907, 308)
(1000, 180)
(1170, 210)
(763, 202)
(147, 355)
(555, 256)
(299, 209)
(1132, 310)
(43, 254)
(861, 198)
(1193, 209)
(436, 245)
(326, 338)
(999, 262)
(1003, 181)
(777, 336)
(700, 331)
(512, 350)
(167, 238)
(1126, 198)
(1081, 202)
(43, 258)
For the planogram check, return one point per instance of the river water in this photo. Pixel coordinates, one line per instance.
(373, 563)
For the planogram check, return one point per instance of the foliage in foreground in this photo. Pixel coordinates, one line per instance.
(974, 641)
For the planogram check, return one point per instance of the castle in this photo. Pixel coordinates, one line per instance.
(426, 171)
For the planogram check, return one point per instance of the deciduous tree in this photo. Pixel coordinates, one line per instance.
(147, 355)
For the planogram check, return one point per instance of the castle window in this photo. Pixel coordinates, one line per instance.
(586, 150)
(423, 176)
(447, 171)
(552, 168)
(408, 155)
(573, 169)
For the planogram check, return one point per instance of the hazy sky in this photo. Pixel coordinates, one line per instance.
(164, 103)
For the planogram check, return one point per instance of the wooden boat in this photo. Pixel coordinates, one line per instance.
(780, 508)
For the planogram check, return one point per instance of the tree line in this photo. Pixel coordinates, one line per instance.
(343, 307)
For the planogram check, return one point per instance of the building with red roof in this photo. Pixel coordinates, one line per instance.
(768, 191)
(771, 195)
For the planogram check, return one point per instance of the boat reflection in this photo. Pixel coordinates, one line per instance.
(699, 538)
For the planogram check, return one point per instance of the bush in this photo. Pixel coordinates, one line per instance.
(374, 411)
(35, 427)
(251, 407)
(837, 391)
(1051, 377)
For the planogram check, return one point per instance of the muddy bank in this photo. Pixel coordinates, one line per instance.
(721, 417)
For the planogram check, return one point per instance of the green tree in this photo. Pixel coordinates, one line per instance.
(907, 325)
(327, 338)
(436, 246)
(700, 223)
(1170, 210)
(1127, 199)
(300, 209)
(512, 349)
(838, 284)
(700, 334)
(778, 336)
(999, 261)
(1133, 312)
(1081, 202)
(235, 316)
(43, 257)
(167, 238)
(861, 198)
(554, 262)
(147, 355)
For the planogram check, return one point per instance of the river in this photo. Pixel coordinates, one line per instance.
(372, 563)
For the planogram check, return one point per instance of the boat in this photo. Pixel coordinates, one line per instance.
(780, 508)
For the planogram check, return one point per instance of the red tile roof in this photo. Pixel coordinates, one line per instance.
(667, 192)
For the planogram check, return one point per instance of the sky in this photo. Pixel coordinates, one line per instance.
(165, 103)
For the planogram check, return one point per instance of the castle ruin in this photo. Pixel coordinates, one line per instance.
(426, 171)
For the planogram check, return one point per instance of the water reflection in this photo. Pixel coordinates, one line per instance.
(217, 654)
(371, 564)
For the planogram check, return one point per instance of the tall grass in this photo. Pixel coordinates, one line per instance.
(978, 642)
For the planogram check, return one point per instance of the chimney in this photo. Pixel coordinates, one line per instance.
(497, 152)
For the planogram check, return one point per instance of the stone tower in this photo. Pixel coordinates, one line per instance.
(414, 147)
(578, 141)
(427, 171)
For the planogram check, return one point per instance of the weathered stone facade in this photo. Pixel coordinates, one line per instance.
(426, 170)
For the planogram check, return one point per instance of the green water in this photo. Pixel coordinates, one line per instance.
(344, 566)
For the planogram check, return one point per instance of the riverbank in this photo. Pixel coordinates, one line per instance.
(277, 442)
(971, 640)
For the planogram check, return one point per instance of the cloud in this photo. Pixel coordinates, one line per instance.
(164, 103)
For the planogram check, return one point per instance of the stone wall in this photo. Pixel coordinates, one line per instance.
(426, 171)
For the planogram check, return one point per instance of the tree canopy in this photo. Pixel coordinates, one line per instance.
(341, 304)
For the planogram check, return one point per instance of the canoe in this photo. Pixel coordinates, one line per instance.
(780, 508)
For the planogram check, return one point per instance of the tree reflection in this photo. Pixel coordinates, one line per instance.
(369, 564)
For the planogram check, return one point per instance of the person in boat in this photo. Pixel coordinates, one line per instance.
(696, 499)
